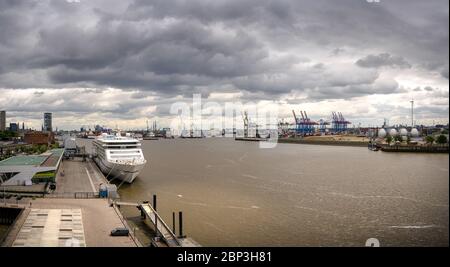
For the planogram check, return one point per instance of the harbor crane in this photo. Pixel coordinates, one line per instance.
(339, 124)
(304, 125)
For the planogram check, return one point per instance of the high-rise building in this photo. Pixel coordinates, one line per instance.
(14, 127)
(2, 120)
(48, 122)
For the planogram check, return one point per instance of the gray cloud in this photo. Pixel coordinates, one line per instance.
(264, 49)
(444, 72)
(382, 60)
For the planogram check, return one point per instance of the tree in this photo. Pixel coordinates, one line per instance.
(429, 139)
(7, 135)
(55, 145)
(389, 139)
(442, 139)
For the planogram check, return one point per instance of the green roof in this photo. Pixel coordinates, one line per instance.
(57, 152)
(23, 160)
(35, 160)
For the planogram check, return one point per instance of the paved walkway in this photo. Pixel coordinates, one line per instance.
(78, 176)
(52, 228)
(98, 220)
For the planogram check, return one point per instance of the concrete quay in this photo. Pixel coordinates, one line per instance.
(77, 187)
(78, 176)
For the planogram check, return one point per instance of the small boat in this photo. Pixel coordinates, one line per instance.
(373, 147)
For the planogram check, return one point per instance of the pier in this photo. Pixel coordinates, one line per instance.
(75, 199)
(76, 205)
(165, 236)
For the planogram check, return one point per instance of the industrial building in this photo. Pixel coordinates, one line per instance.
(29, 169)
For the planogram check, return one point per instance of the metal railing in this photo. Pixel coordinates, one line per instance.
(124, 222)
(159, 220)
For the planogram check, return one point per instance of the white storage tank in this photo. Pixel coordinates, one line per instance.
(382, 133)
(393, 132)
(414, 132)
(403, 132)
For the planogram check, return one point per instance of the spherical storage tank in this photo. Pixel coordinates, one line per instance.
(392, 132)
(381, 133)
(414, 132)
(403, 132)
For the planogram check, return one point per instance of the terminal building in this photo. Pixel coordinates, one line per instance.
(30, 169)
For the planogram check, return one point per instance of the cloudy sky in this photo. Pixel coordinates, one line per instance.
(123, 62)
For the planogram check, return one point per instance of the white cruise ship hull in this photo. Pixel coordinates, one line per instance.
(119, 158)
(116, 171)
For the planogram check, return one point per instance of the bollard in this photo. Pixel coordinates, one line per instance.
(156, 226)
(180, 224)
(173, 222)
(156, 217)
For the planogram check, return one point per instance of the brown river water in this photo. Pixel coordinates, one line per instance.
(233, 193)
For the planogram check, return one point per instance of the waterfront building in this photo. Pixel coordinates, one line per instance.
(39, 138)
(29, 169)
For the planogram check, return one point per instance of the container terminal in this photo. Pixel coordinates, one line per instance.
(336, 131)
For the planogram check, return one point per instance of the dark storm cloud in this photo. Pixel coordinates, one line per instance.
(181, 47)
(444, 72)
(381, 60)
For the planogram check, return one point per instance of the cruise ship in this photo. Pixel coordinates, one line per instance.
(118, 157)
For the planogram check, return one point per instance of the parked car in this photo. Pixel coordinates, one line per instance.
(120, 232)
